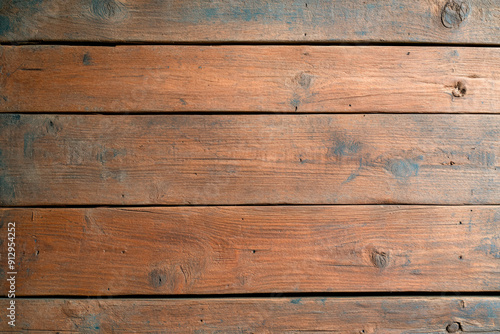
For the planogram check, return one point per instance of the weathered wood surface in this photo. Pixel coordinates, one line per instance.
(434, 21)
(199, 250)
(260, 315)
(249, 159)
(250, 78)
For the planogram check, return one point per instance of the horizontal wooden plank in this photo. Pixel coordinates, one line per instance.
(436, 21)
(250, 78)
(249, 159)
(269, 249)
(259, 315)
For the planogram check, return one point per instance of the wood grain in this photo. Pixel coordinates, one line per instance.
(249, 159)
(433, 21)
(249, 79)
(260, 315)
(270, 249)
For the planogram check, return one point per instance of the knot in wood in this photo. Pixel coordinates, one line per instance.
(108, 10)
(460, 90)
(453, 327)
(380, 259)
(454, 13)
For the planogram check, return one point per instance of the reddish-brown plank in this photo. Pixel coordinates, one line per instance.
(250, 78)
(249, 159)
(441, 315)
(434, 21)
(270, 249)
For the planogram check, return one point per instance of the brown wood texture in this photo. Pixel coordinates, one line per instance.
(249, 159)
(250, 78)
(261, 315)
(270, 249)
(435, 21)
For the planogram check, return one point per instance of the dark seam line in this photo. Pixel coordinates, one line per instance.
(250, 43)
(118, 206)
(410, 294)
(234, 113)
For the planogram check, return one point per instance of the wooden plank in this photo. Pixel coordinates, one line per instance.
(259, 315)
(249, 159)
(203, 250)
(436, 21)
(250, 78)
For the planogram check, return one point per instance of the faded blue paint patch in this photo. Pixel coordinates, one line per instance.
(362, 164)
(4, 24)
(211, 13)
(489, 246)
(403, 168)
(295, 102)
(23, 4)
(350, 178)
(29, 139)
(361, 33)
(7, 192)
(482, 310)
(183, 102)
(109, 154)
(296, 301)
(10, 119)
(91, 323)
(247, 11)
(344, 147)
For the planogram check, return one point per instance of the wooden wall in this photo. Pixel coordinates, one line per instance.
(250, 166)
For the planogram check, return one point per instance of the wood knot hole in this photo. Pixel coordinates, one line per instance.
(460, 90)
(454, 13)
(380, 259)
(453, 327)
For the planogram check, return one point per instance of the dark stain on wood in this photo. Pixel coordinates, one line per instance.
(87, 59)
(158, 278)
(5, 25)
